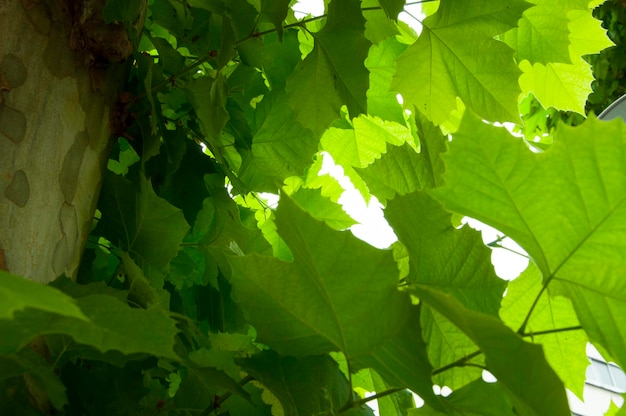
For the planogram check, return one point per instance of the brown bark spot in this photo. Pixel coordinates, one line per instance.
(18, 190)
(13, 70)
(68, 178)
(3, 261)
(12, 123)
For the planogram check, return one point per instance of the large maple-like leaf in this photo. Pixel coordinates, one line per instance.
(565, 207)
(481, 72)
(336, 290)
(329, 77)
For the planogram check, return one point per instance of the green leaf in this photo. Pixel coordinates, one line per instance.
(18, 294)
(449, 259)
(443, 256)
(208, 98)
(134, 217)
(543, 34)
(402, 170)
(318, 206)
(365, 142)
(392, 7)
(329, 77)
(578, 254)
(296, 383)
(475, 399)
(381, 63)
(336, 289)
(281, 147)
(565, 85)
(516, 364)
(565, 351)
(402, 361)
(481, 72)
(113, 325)
(275, 12)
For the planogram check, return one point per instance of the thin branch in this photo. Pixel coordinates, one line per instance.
(461, 362)
(356, 403)
(552, 331)
(254, 35)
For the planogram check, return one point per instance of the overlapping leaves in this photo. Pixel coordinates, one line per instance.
(578, 251)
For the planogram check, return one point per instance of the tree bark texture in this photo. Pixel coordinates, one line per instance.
(54, 138)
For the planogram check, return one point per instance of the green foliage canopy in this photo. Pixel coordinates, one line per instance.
(195, 297)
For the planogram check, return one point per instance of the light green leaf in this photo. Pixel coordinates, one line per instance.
(381, 63)
(579, 251)
(516, 364)
(481, 72)
(402, 170)
(543, 34)
(565, 86)
(565, 351)
(336, 289)
(365, 142)
(297, 383)
(18, 294)
(318, 206)
(329, 77)
(562, 86)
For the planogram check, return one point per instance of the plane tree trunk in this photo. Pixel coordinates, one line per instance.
(57, 91)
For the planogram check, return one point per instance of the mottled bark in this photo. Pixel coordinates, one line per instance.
(54, 138)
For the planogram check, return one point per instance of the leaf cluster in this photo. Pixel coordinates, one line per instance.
(197, 296)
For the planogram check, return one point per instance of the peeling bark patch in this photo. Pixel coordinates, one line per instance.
(65, 247)
(68, 178)
(60, 256)
(12, 123)
(18, 190)
(13, 70)
(38, 15)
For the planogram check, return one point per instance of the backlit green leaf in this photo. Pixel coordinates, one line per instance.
(329, 77)
(481, 72)
(580, 253)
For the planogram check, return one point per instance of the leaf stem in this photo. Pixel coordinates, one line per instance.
(458, 363)
(356, 403)
(552, 331)
(219, 400)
